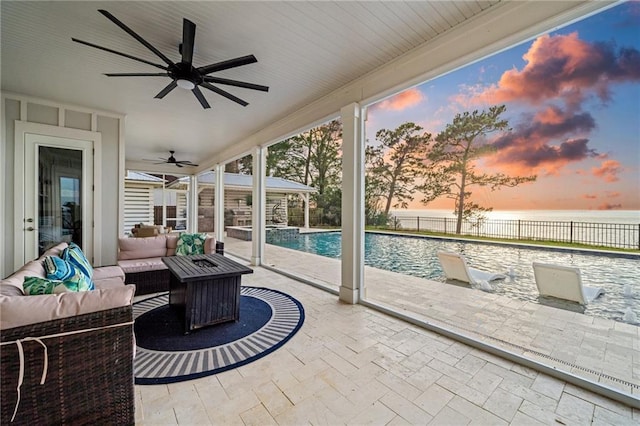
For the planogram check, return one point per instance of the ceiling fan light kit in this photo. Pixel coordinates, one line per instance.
(183, 74)
(185, 84)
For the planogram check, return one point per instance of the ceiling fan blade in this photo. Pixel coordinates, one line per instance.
(225, 94)
(224, 65)
(138, 74)
(133, 34)
(186, 163)
(235, 83)
(86, 43)
(166, 90)
(178, 165)
(196, 91)
(188, 37)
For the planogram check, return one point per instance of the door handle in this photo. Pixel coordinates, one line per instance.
(31, 228)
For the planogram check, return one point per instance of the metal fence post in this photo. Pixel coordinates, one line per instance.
(571, 232)
(418, 223)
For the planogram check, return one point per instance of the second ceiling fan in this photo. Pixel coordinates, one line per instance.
(172, 160)
(183, 74)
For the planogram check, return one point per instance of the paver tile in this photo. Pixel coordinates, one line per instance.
(503, 404)
(434, 399)
(576, 409)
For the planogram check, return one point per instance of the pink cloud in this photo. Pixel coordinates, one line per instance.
(608, 170)
(543, 142)
(566, 67)
(589, 196)
(550, 115)
(401, 101)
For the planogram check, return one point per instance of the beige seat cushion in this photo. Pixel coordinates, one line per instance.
(140, 248)
(210, 245)
(105, 272)
(109, 283)
(54, 251)
(12, 285)
(10, 290)
(142, 265)
(22, 310)
(172, 243)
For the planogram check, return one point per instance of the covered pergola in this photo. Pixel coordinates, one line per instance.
(243, 183)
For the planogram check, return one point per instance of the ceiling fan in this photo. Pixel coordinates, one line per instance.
(172, 160)
(183, 74)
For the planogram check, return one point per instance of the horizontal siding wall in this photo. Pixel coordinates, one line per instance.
(237, 201)
(138, 205)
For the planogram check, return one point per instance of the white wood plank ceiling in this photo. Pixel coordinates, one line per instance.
(305, 51)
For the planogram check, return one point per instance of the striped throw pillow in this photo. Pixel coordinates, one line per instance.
(74, 255)
(58, 268)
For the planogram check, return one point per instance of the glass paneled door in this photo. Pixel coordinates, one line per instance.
(59, 197)
(59, 194)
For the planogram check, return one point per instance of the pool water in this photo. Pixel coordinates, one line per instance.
(618, 275)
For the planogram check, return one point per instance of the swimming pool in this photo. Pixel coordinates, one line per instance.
(618, 275)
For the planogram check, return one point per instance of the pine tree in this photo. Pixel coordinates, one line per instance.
(453, 169)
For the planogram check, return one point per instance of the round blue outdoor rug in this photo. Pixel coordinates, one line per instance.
(164, 354)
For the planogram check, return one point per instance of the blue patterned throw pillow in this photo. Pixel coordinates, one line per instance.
(189, 244)
(74, 255)
(58, 268)
(79, 282)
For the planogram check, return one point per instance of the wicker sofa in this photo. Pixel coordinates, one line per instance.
(66, 358)
(141, 260)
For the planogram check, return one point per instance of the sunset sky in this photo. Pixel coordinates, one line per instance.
(573, 103)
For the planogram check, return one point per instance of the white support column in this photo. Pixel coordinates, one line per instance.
(306, 210)
(218, 214)
(259, 199)
(352, 204)
(192, 204)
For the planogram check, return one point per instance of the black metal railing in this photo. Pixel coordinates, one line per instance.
(616, 235)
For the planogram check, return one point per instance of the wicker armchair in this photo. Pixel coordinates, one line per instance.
(89, 370)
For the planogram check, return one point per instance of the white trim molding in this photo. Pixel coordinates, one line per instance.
(22, 128)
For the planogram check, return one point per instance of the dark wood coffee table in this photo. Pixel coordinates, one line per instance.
(206, 287)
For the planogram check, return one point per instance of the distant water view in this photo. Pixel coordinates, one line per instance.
(595, 216)
(598, 228)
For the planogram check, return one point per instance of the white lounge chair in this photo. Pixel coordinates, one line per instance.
(563, 282)
(455, 267)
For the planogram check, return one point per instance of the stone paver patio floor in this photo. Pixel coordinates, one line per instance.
(601, 350)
